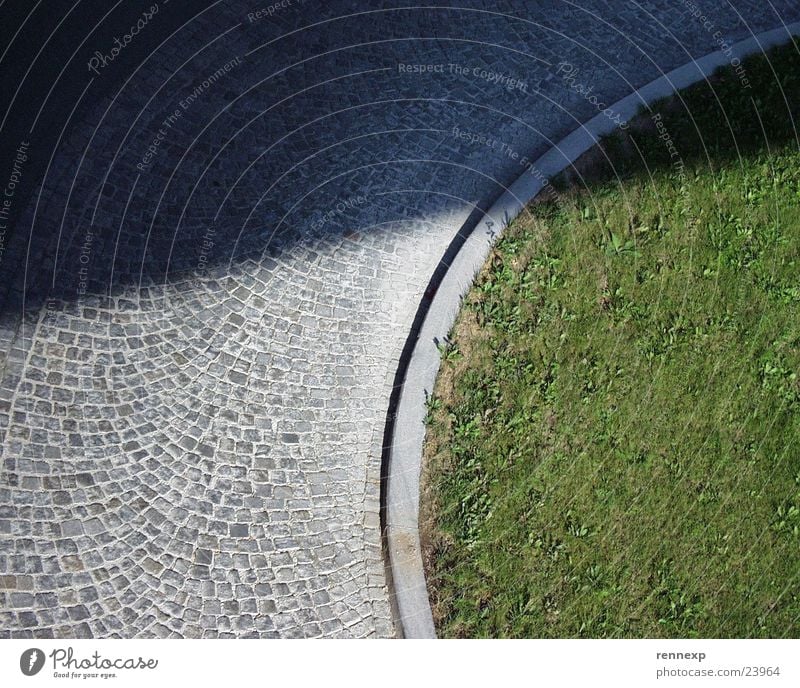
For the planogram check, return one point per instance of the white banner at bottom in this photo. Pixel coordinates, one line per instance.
(178, 663)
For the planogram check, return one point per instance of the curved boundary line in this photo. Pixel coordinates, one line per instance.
(417, 370)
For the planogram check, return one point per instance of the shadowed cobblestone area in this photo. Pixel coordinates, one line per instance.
(204, 300)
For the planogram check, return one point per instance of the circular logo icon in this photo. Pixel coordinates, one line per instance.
(31, 661)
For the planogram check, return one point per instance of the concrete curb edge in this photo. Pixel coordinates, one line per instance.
(403, 457)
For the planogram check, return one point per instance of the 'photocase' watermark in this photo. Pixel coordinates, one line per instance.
(506, 81)
(205, 247)
(158, 139)
(209, 81)
(67, 665)
(504, 149)
(569, 75)
(84, 258)
(274, 8)
(720, 40)
(31, 661)
(338, 210)
(8, 193)
(678, 166)
(100, 60)
(184, 104)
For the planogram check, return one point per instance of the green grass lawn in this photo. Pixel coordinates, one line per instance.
(613, 443)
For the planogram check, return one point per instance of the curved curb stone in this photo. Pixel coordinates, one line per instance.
(404, 457)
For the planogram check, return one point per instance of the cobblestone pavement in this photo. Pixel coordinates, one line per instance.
(204, 302)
